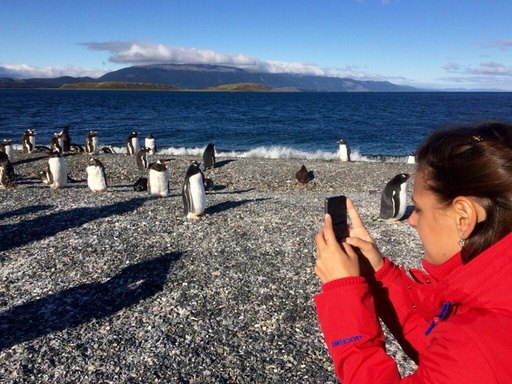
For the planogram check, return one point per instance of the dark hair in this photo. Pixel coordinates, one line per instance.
(473, 161)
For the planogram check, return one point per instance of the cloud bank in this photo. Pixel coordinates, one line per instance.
(137, 53)
(24, 71)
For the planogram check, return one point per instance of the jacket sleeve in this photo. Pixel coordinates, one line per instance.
(355, 342)
(353, 334)
(395, 309)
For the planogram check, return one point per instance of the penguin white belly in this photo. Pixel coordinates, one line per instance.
(10, 152)
(96, 179)
(197, 196)
(150, 143)
(32, 140)
(135, 144)
(94, 145)
(59, 172)
(343, 152)
(159, 183)
(403, 202)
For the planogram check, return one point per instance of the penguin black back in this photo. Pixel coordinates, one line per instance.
(209, 156)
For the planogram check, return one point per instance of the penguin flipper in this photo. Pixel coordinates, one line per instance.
(187, 201)
(395, 199)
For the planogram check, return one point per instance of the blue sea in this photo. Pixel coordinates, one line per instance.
(376, 126)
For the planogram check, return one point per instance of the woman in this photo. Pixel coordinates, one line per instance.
(455, 320)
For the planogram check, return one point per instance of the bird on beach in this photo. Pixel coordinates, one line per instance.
(150, 143)
(132, 144)
(6, 147)
(142, 159)
(65, 140)
(302, 175)
(393, 203)
(158, 180)
(193, 193)
(91, 142)
(55, 143)
(7, 176)
(96, 177)
(28, 140)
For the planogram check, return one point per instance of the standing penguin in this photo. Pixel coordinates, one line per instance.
(96, 177)
(393, 201)
(57, 170)
(65, 140)
(150, 143)
(132, 144)
(7, 176)
(55, 143)
(209, 156)
(192, 192)
(158, 180)
(91, 142)
(344, 152)
(28, 140)
(142, 159)
(6, 147)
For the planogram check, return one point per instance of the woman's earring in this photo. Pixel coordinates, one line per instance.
(462, 242)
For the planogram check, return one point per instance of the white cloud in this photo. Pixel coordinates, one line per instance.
(489, 68)
(503, 44)
(24, 71)
(138, 53)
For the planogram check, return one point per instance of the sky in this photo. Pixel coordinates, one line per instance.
(437, 44)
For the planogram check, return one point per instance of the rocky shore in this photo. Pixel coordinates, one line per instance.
(119, 287)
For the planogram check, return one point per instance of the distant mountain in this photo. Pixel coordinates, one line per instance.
(42, 82)
(198, 76)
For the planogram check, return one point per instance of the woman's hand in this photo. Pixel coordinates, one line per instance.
(361, 239)
(334, 260)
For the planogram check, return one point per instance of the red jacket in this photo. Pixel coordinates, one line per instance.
(469, 340)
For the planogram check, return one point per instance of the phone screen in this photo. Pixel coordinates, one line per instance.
(336, 206)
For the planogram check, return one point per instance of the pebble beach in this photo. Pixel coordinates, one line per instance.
(119, 287)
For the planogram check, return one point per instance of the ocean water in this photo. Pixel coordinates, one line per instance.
(376, 126)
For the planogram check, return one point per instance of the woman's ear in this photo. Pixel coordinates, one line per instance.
(468, 212)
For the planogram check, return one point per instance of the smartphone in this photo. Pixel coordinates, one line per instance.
(336, 206)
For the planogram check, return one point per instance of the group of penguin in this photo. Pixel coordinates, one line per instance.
(56, 176)
(393, 197)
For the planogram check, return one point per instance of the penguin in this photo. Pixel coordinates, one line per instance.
(91, 142)
(393, 201)
(302, 175)
(65, 140)
(28, 140)
(6, 147)
(411, 158)
(108, 150)
(141, 184)
(209, 156)
(158, 180)
(208, 184)
(132, 144)
(75, 148)
(142, 159)
(193, 193)
(344, 152)
(55, 143)
(7, 176)
(96, 178)
(149, 142)
(57, 170)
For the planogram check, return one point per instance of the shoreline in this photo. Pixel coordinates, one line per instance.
(119, 287)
